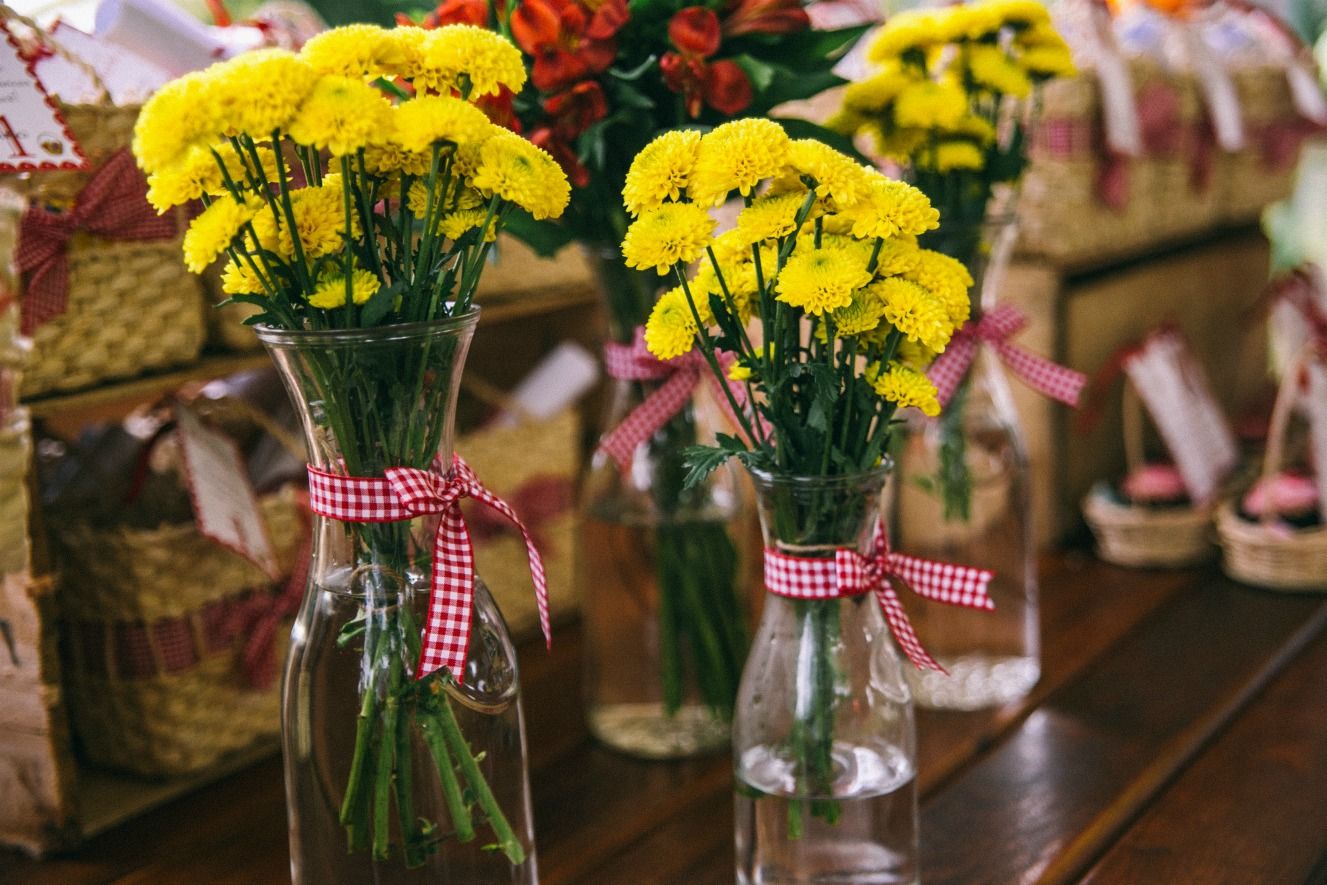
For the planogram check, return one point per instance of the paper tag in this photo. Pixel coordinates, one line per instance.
(1180, 402)
(1316, 407)
(33, 135)
(1119, 110)
(127, 76)
(1305, 91)
(224, 502)
(1219, 94)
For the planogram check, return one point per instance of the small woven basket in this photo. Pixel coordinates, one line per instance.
(132, 306)
(1265, 553)
(1249, 179)
(154, 622)
(1145, 537)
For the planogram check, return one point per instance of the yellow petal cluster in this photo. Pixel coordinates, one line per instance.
(661, 171)
(517, 171)
(736, 156)
(330, 292)
(342, 115)
(668, 235)
(213, 232)
(821, 280)
(905, 387)
(671, 329)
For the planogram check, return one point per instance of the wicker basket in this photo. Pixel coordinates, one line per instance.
(1251, 179)
(1264, 553)
(15, 459)
(1145, 537)
(153, 621)
(132, 306)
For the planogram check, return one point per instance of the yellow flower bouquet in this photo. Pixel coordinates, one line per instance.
(354, 190)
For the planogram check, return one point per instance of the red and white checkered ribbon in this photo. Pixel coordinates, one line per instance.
(995, 328)
(634, 362)
(850, 573)
(406, 493)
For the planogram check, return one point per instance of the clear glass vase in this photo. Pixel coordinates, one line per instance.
(658, 569)
(389, 778)
(824, 741)
(962, 495)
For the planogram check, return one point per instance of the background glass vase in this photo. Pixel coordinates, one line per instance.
(824, 741)
(659, 570)
(390, 779)
(961, 494)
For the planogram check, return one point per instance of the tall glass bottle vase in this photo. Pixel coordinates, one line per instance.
(823, 738)
(962, 495)
(658, 571)
(389, 778)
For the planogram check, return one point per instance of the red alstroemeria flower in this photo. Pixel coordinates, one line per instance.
(567, 40)
(723, 85)
(454, 12)
(561, 151)
(765, 17)
(500, 110)
(576, 109)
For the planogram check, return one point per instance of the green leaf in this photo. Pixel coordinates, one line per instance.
(701, 461)
(760, 73)
(546, 238)
(380, 304)
(263, 319)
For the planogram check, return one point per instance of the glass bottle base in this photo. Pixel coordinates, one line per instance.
(974, 682)
(647, 730)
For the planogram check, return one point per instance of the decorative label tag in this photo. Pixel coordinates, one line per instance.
(1305, 91)
(33, 136)
(1119, 110)
(1176, 394)
(127, 76)
(1316, 406)
(224, 501)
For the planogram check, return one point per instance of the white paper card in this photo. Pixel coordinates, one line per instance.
(1306, 92)
(1316, 407)
(1218, 89)
(127, 76)
(224, 502)
(33, 136)
(1119, 109)
(1179, 400)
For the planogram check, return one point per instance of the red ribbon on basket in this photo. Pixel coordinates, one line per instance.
(680, 376)
(995, 328)
(112, 205)
(409, 492)
(850, 573)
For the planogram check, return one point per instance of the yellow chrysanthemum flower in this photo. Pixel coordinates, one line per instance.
(330, 291)
(212, 232)
(667, 235)
(320, 221)
(358, 51)
(769, 218)
(1018, 12)
(889, 209)
(951, 154)
(433, 119)
(458, 197)
(739, 277)
(860, 316)
(896, 256)
(837, 175)
(456, 224)
(915, 355)
(905, 31)
(390, 158)
(905, 387)
(342, 115)
(239, 279)
(671, 329)
(661, 171)
(930, 104)
(468, 60)
(195, 173)
(821, 280)
(989, 66)
(875, 93)
(1045, 62)
(914, 311)
(260, 91)
(739, 371)
(178, 116)
(521, 173)
(736, 156)
(948, 282)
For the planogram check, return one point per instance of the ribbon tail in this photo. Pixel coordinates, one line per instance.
(538, 577)
(643, 421)
(446, 639)
(1048, 378)
(901, 627)
(947, 372)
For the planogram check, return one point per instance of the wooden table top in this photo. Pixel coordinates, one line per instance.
(1178, 735)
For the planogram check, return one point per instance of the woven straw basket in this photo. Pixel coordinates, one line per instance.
(506, 459)
(154, 623)
(15, 458)
(1263, 553)
(1250, 182)
(1144, 537)
(132, 306)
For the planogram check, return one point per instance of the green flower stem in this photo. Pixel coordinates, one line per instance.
(451, 786)
(404, 782)
(507, 841)
(382, 781)
(283, 184)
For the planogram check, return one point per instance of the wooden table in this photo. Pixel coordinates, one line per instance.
(1179, 735)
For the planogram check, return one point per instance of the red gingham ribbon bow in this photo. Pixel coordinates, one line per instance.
(112, 205)
(406, 493)
(994, 328)
(850, 573)
(634, 362)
